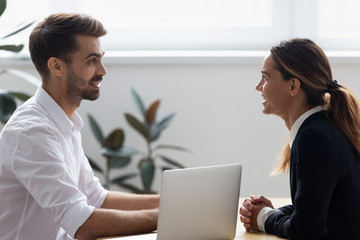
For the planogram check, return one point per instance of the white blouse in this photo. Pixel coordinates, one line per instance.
(47, 186)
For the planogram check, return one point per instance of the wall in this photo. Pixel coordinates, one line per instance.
(219, 113)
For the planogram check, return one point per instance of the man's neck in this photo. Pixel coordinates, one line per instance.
(59, 95)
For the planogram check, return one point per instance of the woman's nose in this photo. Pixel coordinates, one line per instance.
(259, 86)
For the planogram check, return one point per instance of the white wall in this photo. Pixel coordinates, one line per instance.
(219, 114)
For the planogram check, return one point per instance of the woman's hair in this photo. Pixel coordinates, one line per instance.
(55, 37)
(304, 60)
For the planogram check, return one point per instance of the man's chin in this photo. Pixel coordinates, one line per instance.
(92, 97)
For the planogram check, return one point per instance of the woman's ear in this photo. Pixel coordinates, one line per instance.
(295, 86)
(56, 66)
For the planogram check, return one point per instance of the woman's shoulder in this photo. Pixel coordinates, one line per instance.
(321, 133)
(318, 122)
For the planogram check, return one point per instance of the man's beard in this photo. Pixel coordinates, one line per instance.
(78, 89)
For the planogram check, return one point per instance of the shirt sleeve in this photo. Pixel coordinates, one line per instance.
(38, 162)
(263, 215)
(90, 184)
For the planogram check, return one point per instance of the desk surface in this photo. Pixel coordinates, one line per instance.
(241, 233)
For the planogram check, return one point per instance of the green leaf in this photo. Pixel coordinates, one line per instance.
(164, 123)
(171, 147)
(138, 102)
(119, 162)
(96, 129)
(19, 95)
(137, 125)
(147, 171)
(121, 152)
(2, 6)
(12, 48)
(157, 128)
(94, 165)
(154, 132)
(172, 162)
(115, 139)
(19, 28)
(7, 106)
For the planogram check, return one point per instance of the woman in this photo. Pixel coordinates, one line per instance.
(323, 151)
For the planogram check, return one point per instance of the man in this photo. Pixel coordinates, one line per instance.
(47, 187)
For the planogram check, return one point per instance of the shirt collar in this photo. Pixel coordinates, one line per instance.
(65, 125)
(297, 124)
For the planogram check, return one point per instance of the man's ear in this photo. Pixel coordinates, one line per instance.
(56, 66)
(295, 86)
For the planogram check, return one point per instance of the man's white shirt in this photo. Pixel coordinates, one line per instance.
(47, 186)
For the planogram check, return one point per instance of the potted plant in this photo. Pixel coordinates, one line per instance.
(150, 129)
(119, 156)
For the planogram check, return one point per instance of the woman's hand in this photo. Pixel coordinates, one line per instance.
(261, 199)
(250, 210)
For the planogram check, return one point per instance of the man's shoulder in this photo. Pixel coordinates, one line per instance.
(28, 116)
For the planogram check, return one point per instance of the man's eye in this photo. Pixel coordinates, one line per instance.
(92, 60)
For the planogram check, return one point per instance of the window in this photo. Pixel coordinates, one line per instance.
(338, 22)
(183, 25)
(333, 24)
(207, 24)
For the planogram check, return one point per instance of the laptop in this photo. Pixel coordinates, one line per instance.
(199, 203)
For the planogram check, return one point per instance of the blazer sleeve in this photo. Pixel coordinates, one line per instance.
(288, 209)
(315, 176)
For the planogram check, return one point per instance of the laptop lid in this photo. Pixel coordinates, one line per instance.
(199, 203)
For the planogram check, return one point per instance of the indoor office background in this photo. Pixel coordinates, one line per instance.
(202, 59)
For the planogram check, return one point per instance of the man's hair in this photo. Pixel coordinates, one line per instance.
(55, 37)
